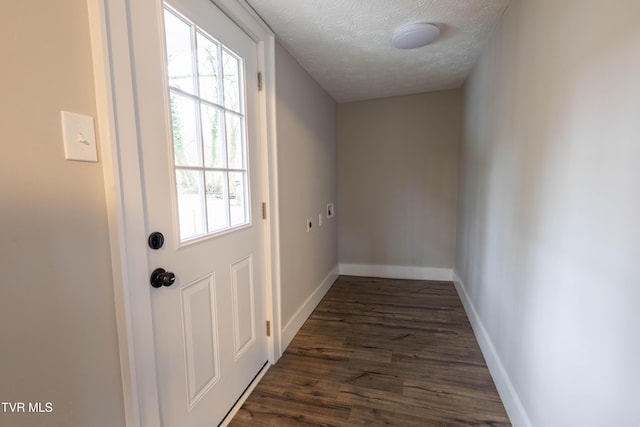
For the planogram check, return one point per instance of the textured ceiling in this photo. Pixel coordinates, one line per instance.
(345, 44)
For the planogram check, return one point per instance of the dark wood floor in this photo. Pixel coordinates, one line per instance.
(380, 352)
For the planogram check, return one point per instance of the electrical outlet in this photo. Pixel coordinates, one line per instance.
(330, 210)
(319, 220)
(309, 224)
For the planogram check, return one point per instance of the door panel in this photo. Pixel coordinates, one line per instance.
(200, 337)
(243, 304)
(208, 325)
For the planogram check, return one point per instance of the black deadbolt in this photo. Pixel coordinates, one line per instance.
(160, 277)
(156, 240)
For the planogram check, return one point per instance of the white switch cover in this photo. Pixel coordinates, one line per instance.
(330, 210)
(79, 137)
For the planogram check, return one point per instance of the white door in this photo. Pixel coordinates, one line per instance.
(197, 112)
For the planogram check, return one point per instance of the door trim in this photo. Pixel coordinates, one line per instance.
(121, 164)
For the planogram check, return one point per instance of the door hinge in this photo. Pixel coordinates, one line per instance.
(264, 210)
(268, 328)
(260, 82)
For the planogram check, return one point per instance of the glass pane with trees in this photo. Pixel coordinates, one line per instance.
(208, 130)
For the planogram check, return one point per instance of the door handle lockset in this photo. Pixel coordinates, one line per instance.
(160, 277)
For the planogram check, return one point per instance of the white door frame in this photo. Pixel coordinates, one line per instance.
(122, 170)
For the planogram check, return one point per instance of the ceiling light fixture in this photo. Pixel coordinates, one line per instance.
(411, 36)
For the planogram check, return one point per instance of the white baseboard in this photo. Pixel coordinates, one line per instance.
(293, 326)
(397, 272)
(513, 405)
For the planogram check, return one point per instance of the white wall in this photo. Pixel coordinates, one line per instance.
(306, 131)
(398, 176)
(57, 320)
(548, 241)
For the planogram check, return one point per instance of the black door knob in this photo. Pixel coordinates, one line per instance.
(160, 277)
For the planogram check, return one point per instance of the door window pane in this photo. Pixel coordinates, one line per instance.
(235, 143)
(231, 81)
(190, 206)
(217, 201)
(237, 197)
(208, 130)
(184, 123)
(208, 66)
(179, 52)
(212, 137)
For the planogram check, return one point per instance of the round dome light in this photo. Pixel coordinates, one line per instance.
(412, 36)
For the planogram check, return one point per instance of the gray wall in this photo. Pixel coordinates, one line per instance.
(549, 226)
(397, 169)
(306, 128)
(57, 320)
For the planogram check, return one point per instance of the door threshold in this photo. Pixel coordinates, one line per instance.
(243, 397)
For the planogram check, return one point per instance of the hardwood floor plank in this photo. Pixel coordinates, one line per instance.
(380, 352)
(426, 409)
(292, 386)
(371, 353)
(452, 398)
(303, 409)
(365, 416)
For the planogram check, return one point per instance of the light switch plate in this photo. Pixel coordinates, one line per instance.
(330, 210)
(79, 137)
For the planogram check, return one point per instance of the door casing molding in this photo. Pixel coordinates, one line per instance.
(121, 163)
